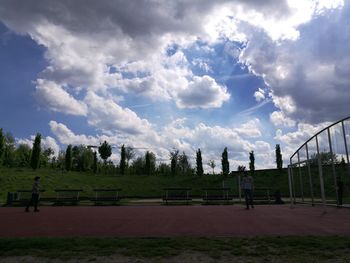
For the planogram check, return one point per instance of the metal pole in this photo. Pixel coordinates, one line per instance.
(309, 172)
(346, 146)
(333, 167)
(293, 183)
(239, 189)
(320, 173)
(290, 186)
(301, 180)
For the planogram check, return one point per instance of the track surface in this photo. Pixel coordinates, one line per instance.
(162, 221)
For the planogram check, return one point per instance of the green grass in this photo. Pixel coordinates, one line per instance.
(132, 185)
(292, 249)
(147, 186)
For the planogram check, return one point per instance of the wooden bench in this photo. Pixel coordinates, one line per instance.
(262, 194)
(217, 194)
(20, 197)
(177, 194)
(106, 195)
(67, 196)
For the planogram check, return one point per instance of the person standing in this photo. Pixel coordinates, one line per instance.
(247, 185)
(340, 186)
(35, 195)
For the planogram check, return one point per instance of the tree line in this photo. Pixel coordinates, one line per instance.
(96, 159)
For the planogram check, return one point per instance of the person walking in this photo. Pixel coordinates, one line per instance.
(247, 185)
(35, 195)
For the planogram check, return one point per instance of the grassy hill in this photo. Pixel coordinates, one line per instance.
(132, 185)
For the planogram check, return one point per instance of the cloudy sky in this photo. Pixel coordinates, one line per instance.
(189, 74)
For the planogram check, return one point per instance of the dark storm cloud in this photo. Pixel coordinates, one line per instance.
(313, 71)
(133, 18)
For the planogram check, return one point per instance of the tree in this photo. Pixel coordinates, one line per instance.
(82, 158)
(164, 169)
(174, 156)
(211, 163)
(122, 164)
(68, 158)
(35, 159)
(105, 151)
(22, 155)
(279, 160)
(129, 154)
(326, 158)
(199, 164)
(225, 163)
(184, 164)
(8, 156)
(138, 166)
(60, 161)
(241, 168)
(252, 162)
(342, 162)
(150, 162)
(2, 143)
(94, 167)
(45, 157)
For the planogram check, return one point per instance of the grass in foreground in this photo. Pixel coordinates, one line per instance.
(290, 249)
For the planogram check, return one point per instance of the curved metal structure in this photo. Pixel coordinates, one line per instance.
(319, 170)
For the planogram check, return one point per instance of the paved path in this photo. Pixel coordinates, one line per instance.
(161, 221)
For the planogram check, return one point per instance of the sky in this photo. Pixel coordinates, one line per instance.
(182, 74)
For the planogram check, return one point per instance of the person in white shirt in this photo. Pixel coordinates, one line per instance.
(247, 185)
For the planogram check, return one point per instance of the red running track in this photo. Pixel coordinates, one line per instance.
(163, 221)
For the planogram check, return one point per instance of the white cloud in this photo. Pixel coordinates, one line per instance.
(49, 142)
(250, 128)
(66, 136)
(291, 141)
(303, 133)
(213, 139)
(81, 51)
(202, 92)
(202, 64)
(279, 119)
(108, 116)
(55, 98)
(210, 139)
(324, 5)
(259, 95)
(133, 36)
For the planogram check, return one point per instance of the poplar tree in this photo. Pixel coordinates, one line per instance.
(94, 167)
(252, 162)
(199, 163)
(225, 163)
(68, 158)
(279, 160)
(35, 158)
(122, 164)
(149, 162)
(174, 157)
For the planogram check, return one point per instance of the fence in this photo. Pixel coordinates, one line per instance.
(319, 171)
